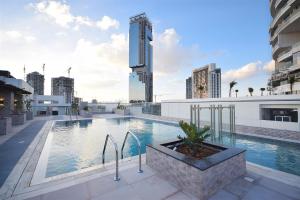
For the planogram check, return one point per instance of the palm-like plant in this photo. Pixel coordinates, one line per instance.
(231, 85)
(236, 92)
(250, 89)
(262, 91)
(291, 81)
(75, 107)
(194, 136)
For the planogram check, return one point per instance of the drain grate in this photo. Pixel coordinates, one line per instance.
(249, 179)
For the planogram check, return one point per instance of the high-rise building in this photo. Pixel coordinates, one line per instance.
(63, 86)
(188, 88)
(36, 80)
(140, 59)
(285, 41)
(206, 82)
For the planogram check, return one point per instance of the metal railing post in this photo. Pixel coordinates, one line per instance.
(198, 120)
(220, 117)
(211, 117)
(230, 119)
(194, 108)
(191, 107)
(233, 118)
(139, 149)
(108, 136)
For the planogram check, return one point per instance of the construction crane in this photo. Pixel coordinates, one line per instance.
(69, 71)
(43, 67)
(24, 69)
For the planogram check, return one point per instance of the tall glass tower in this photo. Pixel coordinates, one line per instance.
(140, 59)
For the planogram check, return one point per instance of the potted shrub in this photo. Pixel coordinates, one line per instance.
(121, 110)
(196, 166)
(18, 116)
(5, 122)
(86, 112)
(29, 113)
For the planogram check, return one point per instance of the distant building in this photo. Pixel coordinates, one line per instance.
(188, 88)
(49, 105)
(63, 86)
(285, 40)
(206, 82)
(36, 80)
(140, 59)
(94, 101)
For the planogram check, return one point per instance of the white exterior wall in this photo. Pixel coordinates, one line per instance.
(247, 110)
(109, 106)
(58, 104)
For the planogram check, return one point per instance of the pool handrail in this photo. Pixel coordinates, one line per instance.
(116, 178)
(139, 149)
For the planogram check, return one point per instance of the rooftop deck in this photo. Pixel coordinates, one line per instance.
(258, 183)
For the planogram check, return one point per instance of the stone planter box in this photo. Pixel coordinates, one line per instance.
(86, 114)
(122, 112)
(18, 119)
(202, 178)
(29, 115)
(5, 125)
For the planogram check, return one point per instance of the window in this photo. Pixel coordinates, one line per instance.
(280, 114)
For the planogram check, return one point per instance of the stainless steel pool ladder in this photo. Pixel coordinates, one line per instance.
(109, 136)
(139, 149)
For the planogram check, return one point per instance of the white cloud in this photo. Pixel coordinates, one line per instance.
(60, 13)
(84, 21)
(269, 66)
(56, 11)
(243, 72)
(15, 36)
(169, 55)
(106, 23)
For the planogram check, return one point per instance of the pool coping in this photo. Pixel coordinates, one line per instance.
(24, 169)
(41, 180)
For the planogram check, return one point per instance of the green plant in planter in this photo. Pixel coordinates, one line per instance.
(121, 107)
(194, 136)
(28, 104)
(86, 108)
(75, 107)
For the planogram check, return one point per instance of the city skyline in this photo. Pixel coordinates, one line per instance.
(95, 44)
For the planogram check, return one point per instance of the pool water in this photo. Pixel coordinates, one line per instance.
(75, 145)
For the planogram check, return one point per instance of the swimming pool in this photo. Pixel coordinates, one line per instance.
(75, 145)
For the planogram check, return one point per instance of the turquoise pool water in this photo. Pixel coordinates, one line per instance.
(74, 145)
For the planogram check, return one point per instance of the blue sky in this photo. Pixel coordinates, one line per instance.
(92, 37)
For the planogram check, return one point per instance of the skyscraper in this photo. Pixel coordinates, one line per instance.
(206, 82)
(140, 59)
(36, 80)
(188, 88)
(285, 41)
(63, 86)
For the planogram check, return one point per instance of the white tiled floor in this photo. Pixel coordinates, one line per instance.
(148, 186)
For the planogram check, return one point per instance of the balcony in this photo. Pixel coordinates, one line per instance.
(288, 53)
(284, 55)
(279, 3)
(280, 13)
(295, 14)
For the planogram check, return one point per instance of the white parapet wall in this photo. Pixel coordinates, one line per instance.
(249, 111)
